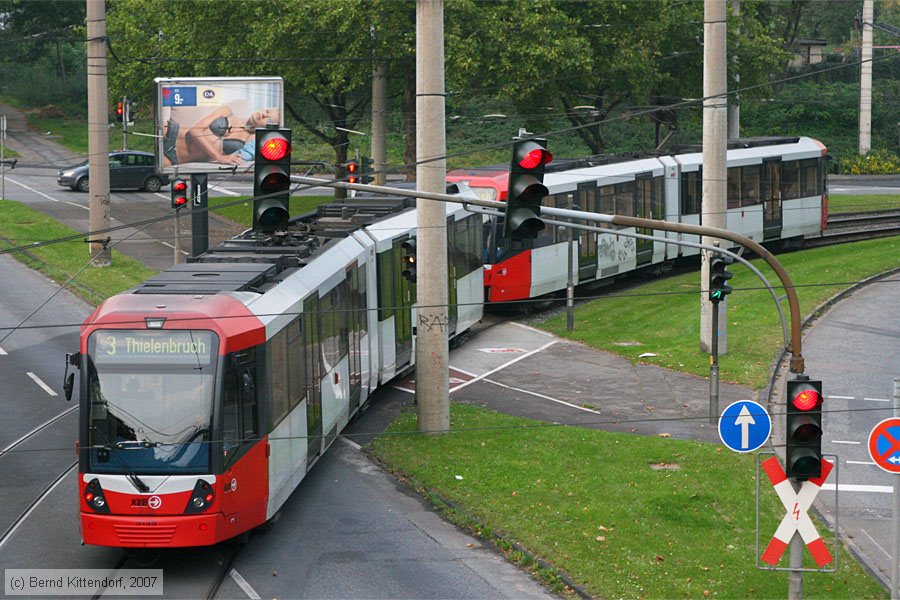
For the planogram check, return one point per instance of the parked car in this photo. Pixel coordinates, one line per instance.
(127, 169)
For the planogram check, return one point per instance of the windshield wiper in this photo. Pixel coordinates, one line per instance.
(138, 483)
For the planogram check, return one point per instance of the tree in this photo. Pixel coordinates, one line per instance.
(36, 24)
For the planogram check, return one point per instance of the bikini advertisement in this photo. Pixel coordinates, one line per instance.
(208, 125)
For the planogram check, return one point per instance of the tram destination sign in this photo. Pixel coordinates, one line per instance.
(127, 346)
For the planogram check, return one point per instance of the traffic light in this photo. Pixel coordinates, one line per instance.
(409, 260)
(718, 278)
(179, 189)
(120, 112)
(272, 179)
(352, 169)
(526, 188)
(365, 169)
(803, 431)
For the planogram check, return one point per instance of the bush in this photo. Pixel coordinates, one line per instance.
(877, 162)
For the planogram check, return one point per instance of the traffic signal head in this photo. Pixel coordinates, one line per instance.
(272, 179)
(803, 429)
(409, 260)
(365, 169)
(526, 188)
(352, 169)
(718, 278)
(179, 189)
(120, 112)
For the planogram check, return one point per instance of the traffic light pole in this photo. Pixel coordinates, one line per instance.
(714, 367)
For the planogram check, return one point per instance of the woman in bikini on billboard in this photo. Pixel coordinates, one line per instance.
(217, 137)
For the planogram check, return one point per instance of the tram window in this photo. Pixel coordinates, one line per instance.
(231, 436)
(658, 199)
(343, 345)
(607, 195)
(295, 363)
(691, 185)
(809, 177)
(625, 199)
(734, 187)
(278, 377)
(750, 185)
(791, 179)
(248, 409)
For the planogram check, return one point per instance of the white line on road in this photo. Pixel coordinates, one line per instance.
(840, 397)
(43, 385)
(877, 399)
(871, 539)
(551, 399)
(226, 191)
(845, 442)
(861, 462)
(351, 443)
(43, 195)
(879, 489)
(503, 366)
(242, 583)
(2, 352)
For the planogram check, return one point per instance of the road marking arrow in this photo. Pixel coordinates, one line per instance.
(744, 420)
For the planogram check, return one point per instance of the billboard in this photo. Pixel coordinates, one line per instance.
(208, 124)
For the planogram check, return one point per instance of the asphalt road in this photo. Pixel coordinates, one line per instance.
(855, 350)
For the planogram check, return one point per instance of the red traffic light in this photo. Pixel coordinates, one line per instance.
(808, 399)
(120, 110)
(275, 148)
(179, 186)
(535, 157)
(352, 167)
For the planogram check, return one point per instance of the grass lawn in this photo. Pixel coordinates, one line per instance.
(22, 225)
(591, 504)
(663, 317)
(849, 204)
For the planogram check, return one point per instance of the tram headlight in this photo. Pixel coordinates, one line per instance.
(202, 498)
(93, 497)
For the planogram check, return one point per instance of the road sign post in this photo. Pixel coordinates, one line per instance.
(744, 426)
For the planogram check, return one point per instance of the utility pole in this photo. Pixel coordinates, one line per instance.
(379, 127)
(98, 129)
(865, 79)
(432, 350)
(715, 147)
(734, 99)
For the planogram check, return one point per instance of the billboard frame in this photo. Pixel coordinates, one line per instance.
(188, 131)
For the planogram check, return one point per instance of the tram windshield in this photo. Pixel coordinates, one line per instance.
(150, 396)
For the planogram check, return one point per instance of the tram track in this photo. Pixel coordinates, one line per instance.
(853, 227)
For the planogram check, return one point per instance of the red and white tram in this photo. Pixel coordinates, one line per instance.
(208, 391)
(776, 193)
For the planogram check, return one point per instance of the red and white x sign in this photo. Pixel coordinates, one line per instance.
(796, 519)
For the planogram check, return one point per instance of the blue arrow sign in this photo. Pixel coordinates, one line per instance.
(744, 426)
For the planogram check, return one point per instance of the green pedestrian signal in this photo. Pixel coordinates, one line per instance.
(718, 278)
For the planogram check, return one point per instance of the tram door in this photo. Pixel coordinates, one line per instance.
(771, 193)
(356, 323)
(643, 204)
(312, 345)
(453, 257)
(586, 200)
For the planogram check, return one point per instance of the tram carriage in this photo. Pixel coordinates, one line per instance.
(208, 391)
(776, 195)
